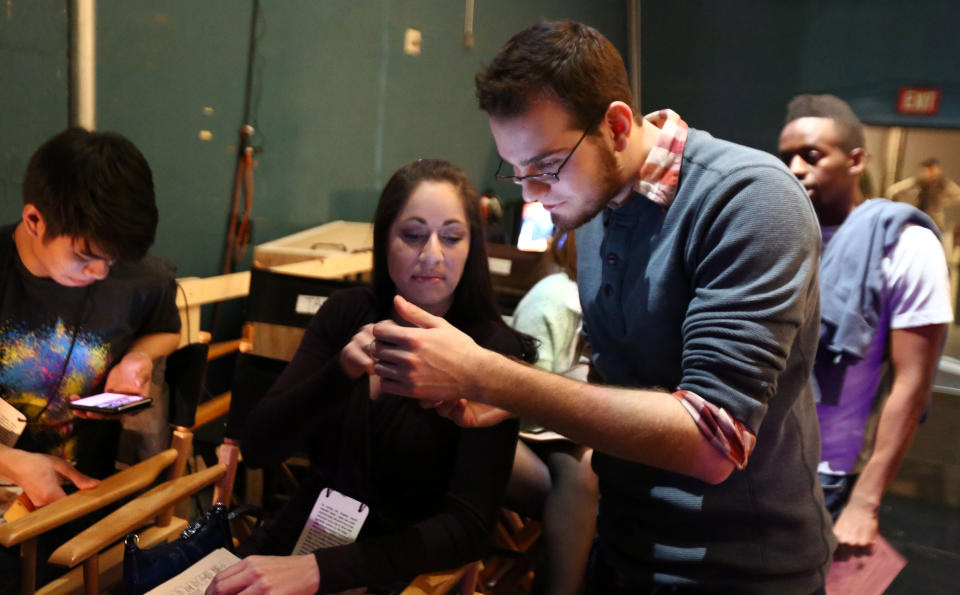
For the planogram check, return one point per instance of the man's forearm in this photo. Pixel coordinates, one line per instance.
(895, 429)
(156, 345)
(646, 426)
(914, 353)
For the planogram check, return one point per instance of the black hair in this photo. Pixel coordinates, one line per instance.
(848, 125)
(96, 186)
(566, 61)
(473, 298)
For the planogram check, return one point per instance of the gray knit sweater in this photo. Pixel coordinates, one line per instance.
(718, 295)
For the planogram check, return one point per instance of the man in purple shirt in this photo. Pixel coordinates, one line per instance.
(906, 307)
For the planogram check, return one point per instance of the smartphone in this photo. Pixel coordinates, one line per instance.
(111, 403)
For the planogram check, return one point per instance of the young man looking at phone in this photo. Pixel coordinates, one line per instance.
(83, 308)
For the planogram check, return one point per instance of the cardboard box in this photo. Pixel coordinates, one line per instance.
(341, 251)
(331, 240)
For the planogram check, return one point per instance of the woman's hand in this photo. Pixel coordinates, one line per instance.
(262, 575)
(355, 357)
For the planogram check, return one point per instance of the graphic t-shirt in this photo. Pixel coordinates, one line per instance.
(58, 341)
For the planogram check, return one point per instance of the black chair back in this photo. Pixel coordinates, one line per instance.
(185, 375)
(252, 378)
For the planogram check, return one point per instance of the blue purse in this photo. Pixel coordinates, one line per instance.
(145, 569)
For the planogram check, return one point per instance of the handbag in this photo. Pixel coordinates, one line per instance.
(145, 569)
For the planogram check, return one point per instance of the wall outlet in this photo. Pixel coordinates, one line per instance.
(412, 40)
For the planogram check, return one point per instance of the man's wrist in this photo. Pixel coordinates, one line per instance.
(864, 502)
(136, 353)
(481, 374)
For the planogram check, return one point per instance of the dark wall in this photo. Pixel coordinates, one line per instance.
(33, 88)
(730, 67)
(337, 104)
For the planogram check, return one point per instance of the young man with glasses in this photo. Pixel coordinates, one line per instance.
(698, 280)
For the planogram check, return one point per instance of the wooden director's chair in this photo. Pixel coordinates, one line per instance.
(25, 531)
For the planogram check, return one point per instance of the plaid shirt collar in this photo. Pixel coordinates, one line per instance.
(660, 173)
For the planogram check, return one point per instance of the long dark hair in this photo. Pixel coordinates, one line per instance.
(473, 299)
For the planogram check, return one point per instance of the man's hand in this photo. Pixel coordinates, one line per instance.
(132, 375)
(435, 362)
(856, 530)
(40, 475)
(355, 357)
(277, 575)
(470, 414)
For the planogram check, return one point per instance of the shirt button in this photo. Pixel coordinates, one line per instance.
(608, 290)
(612, 259)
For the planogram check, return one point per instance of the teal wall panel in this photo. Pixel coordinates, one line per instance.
(337, 104)
(33, 88)
(730, 67)
(159, 66)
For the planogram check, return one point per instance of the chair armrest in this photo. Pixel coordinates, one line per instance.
(132, 515)
(211, 409)
(441, 583)
(218, 350)
(120, 484)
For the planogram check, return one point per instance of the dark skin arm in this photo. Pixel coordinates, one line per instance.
(914, 353)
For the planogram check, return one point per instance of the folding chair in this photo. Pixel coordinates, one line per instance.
(101, 563)
(184, 373)
(516, 550)
(253, 377)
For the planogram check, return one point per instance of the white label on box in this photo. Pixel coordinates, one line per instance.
(500, 266)
(309, 304)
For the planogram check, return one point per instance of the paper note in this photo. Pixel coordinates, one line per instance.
(12, 423)
(196, 579)
(336, 519)
(866, 575)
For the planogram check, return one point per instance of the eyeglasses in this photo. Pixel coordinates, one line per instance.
(544, 178)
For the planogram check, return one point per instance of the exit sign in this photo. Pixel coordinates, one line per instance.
(918, 101)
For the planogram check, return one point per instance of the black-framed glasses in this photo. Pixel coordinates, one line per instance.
(546, 177)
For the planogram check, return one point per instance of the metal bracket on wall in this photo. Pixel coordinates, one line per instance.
(895, 145)
(468, 24)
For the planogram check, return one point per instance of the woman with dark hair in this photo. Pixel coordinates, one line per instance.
(423, 492)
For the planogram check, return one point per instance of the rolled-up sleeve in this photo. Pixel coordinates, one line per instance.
(753, 254)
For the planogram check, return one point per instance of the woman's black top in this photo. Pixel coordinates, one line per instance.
(434, 489)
